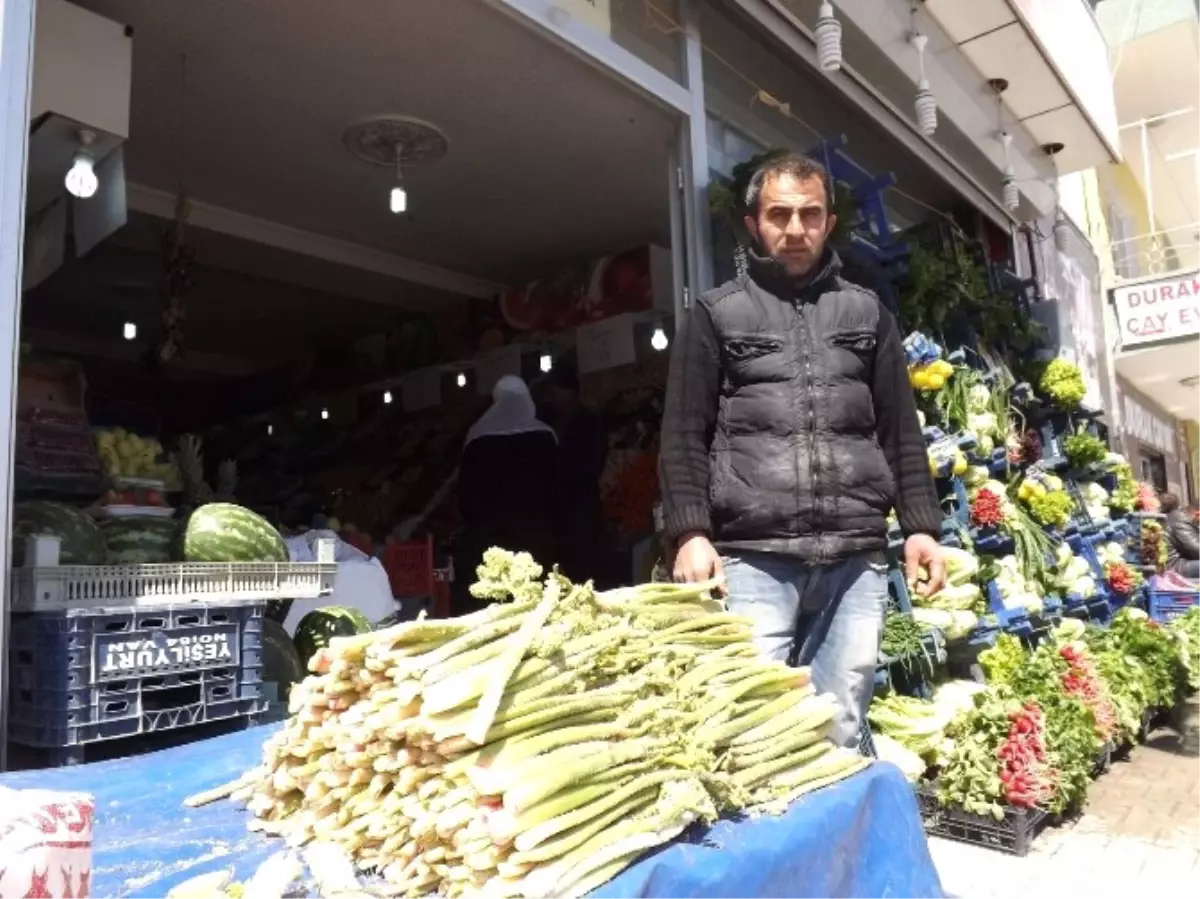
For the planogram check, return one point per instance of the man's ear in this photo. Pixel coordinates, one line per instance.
(830, 224)
(751, 224)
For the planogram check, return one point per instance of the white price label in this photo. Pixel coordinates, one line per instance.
(605, 344)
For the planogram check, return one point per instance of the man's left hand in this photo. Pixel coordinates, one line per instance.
(921, 549)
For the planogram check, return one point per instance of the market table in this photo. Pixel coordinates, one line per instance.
(861, 837)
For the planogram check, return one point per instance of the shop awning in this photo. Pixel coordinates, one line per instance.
(1056, 62)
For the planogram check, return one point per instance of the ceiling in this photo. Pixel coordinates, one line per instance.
(549, 160)
(1146, 88)
(1161, 373)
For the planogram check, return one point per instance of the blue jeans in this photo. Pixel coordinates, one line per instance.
(829, 618)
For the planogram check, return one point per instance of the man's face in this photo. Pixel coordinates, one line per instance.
(793, 223)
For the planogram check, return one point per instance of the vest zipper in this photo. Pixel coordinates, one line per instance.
(814, 464)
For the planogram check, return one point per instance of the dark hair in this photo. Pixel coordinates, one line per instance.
(1169, 502)
(799, 167)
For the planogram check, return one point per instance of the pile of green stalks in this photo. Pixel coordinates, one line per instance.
(540, 746)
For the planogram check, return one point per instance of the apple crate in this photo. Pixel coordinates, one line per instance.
(81, 676)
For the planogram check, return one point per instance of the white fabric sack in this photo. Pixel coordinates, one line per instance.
(45, 843)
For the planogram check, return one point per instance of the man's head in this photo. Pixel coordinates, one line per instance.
(789, 212)
(1168, 503)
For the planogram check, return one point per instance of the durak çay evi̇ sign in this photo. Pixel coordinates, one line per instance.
(1159, 309)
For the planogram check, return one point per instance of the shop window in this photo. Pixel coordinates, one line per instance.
(1154, 470)
(651, 30)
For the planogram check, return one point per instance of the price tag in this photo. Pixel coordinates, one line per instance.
(495, 365)
(605, 344)
(421, 389)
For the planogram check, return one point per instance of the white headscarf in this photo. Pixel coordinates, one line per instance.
(512, 412)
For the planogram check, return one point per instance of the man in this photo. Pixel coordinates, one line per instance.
(789, 433)
(1183, 538)
(583, 452)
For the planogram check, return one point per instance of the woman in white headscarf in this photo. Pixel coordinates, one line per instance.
(506, 486)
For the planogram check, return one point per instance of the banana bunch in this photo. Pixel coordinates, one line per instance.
(930, 375)
(123, 454)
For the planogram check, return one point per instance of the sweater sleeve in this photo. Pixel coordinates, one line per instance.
(899, 433)
(689, 416)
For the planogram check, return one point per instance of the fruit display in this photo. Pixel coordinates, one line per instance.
(319, 626)
(226, 532)
(126, 455)
(135, 541)
(82, 541)
(126, 494)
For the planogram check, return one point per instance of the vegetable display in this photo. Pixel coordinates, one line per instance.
(541, 745)
(1083, 449)
(1062, 382)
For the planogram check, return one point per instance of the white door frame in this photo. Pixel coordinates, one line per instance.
(16, 76)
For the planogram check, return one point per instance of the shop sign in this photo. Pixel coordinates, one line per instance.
(421, 389)
(495, 365)
(605, 344)
(1156, 310)
(1148, 428)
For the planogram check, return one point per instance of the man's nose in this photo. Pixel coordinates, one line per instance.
(795, 225)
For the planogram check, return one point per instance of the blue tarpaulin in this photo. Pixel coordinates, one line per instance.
(861, 837)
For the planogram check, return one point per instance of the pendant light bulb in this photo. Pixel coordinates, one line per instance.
(324, 415)
(270, 430)
(81, 180)
(925, 104)
(658, 340)
(130, 331)
(399, 200)
(546, 362)
(1061, 232)
(1010, 195)
(461, 380)
(829, 39)
(387, 397)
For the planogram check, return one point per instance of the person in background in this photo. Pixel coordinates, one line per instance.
(583, 452)
(789, 433)
(505, 497)
(1183, 537)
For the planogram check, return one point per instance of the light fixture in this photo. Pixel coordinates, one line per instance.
(1062, 230)
(129, 331)
(399, 198)
(925, 103)
(387, 397)
(546, 362)
(270, 430)
(1009, 193)
(829, 39)
(658, 340)
(81, 180)
(461, 380)
(324, 415)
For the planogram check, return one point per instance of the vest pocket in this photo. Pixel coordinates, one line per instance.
(750, 358)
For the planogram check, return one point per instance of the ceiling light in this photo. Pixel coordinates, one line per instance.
(130, 331)
(81, 180)
(399, 200)
(658, 340)
(546, 362)
(324, 415)
(1062, 232)
(461, 380)
(387, 397)
(925, 104)
(270, 430)
(829, 39)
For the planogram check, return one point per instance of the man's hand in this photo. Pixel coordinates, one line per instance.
(697, 560)
(921, 549)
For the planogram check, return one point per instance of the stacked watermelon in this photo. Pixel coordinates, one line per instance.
(81, 540)
(225, 532)
(320, 626)
(137, 541)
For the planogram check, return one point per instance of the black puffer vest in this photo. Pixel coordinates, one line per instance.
(796, 467)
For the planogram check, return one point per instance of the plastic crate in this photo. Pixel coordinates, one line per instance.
(48, 586)
(1165, 605)
(1014, 834)
(81, 676)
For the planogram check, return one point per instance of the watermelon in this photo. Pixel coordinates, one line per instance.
(82, 542)
(319, 626)
(281, 662)
(135, 541)
(225, 532)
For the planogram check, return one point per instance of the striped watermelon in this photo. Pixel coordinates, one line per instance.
(82, 543)
(134, 541)
(225, 532)
(320, 626)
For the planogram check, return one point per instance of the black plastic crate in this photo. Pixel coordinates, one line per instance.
(1013, 835)
(78, 677)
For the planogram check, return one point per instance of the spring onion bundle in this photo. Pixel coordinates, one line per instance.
(539, 746)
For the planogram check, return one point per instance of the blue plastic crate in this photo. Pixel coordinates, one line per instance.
(82, 676)
(1165, 605)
